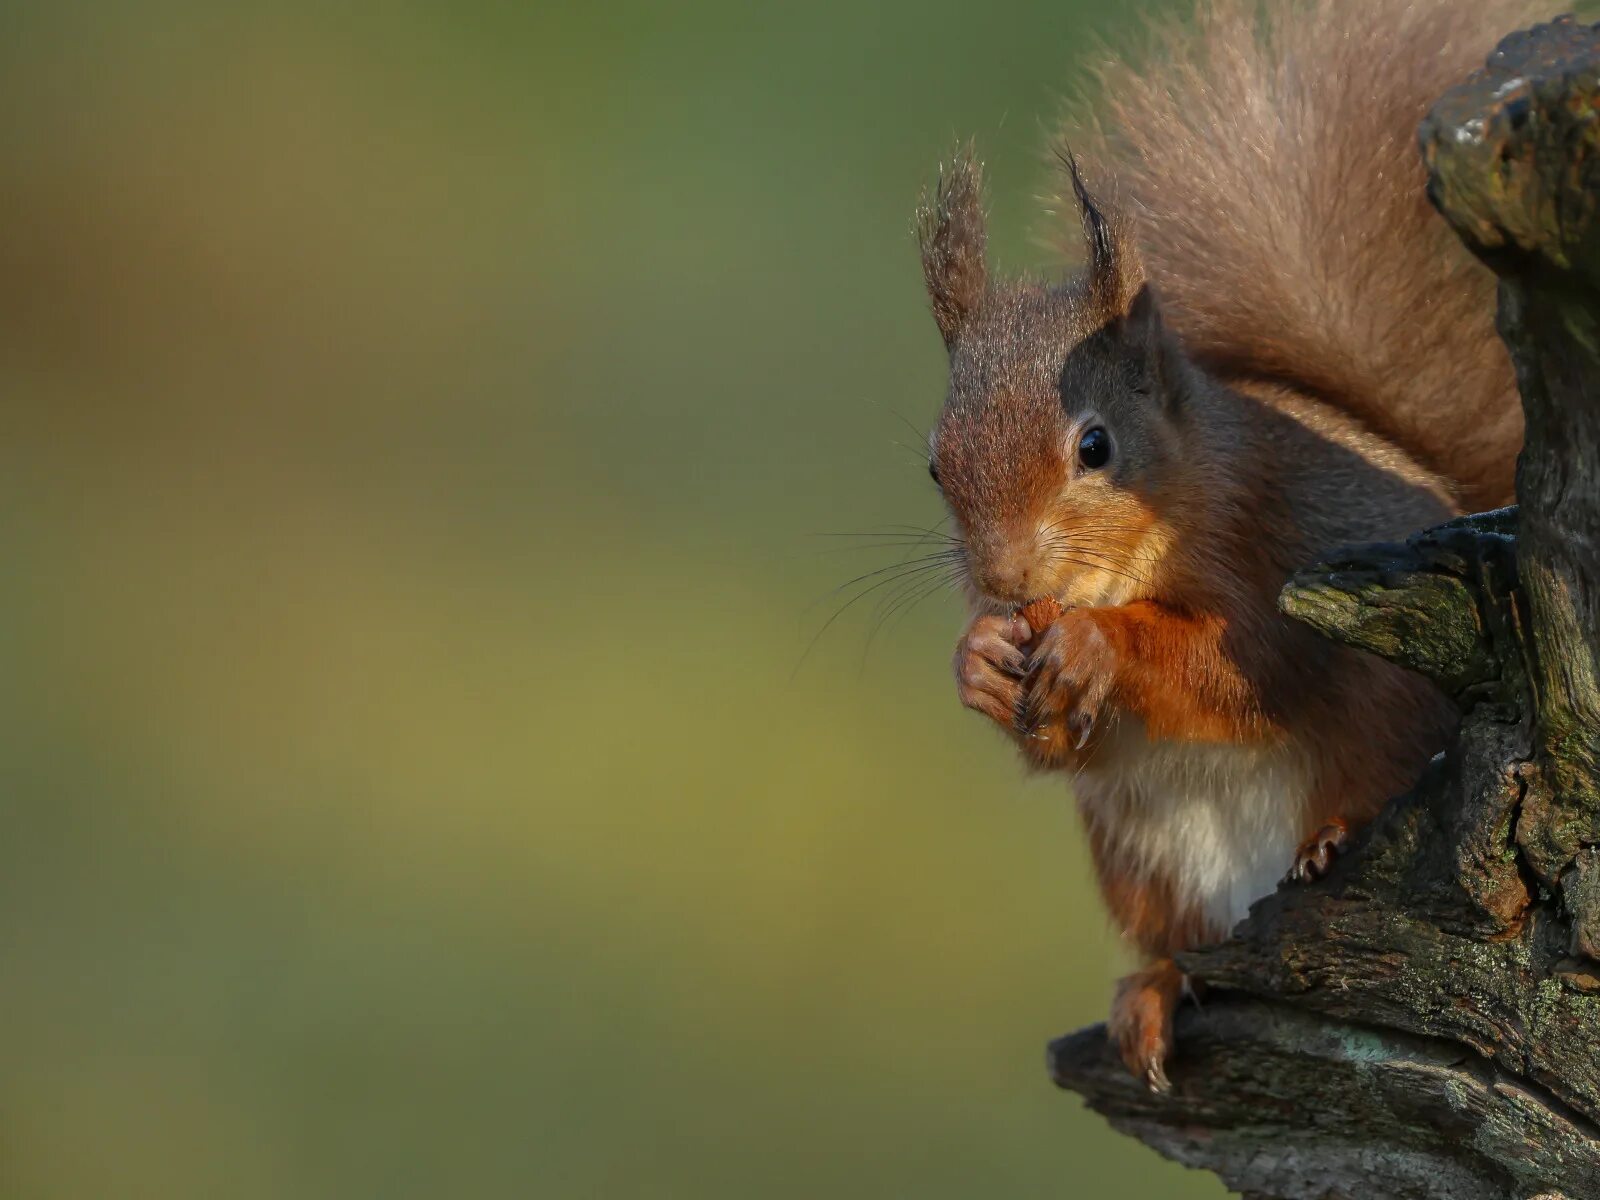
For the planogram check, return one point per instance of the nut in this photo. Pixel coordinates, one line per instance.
(1040, 613)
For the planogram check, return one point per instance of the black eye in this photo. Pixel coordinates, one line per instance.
(933, 473)
(1094, 449)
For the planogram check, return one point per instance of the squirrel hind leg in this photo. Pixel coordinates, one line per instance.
(1141, 1020)
(1315, 856)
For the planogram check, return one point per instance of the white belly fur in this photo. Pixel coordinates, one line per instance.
(1220, 822)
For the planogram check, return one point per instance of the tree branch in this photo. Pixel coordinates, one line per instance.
(1441, 604)
(1280, 1103)
(1513, 159)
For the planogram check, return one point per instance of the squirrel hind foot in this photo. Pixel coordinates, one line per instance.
(1141, 1021)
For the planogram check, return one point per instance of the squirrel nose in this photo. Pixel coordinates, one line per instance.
(1007, 575)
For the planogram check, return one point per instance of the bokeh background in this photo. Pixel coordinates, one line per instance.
(421, 425)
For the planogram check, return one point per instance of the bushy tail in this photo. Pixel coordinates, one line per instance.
(1268, 161)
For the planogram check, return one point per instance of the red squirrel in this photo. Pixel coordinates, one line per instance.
(1275, 348)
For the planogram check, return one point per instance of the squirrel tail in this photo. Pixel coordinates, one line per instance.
(1268, 165)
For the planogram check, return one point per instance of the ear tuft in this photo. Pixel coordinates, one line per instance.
(1114, 270)
(1096, 229)
(952, 237)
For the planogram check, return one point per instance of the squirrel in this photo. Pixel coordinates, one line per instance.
(1274, 348)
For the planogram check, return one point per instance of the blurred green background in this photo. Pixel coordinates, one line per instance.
(419, 423)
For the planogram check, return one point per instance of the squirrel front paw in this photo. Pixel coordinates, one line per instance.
(1068, 682)
(989, 663)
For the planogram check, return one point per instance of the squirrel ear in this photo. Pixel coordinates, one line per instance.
(1166, 365)
(1143, 322)
(1114, 271)
(952, 237)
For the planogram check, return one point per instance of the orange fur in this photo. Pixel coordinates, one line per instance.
(1176, 676)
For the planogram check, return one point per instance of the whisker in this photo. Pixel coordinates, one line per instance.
(898, 614)
(897, 611)
(1077, 529)
(904, 570)
(920, 435)
(1067, 544)
(889, 601)
(922, 455)
(873, 546)
(899, 530)
(936, 557)
(1109, 570)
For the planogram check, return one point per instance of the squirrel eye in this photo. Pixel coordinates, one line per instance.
(1094, 448)
(933, 473)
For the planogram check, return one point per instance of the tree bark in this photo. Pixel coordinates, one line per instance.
(1426, 1021)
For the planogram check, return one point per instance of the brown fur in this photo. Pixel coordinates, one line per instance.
(1289, 354)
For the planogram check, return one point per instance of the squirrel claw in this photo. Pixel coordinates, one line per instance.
(1029, 716)
(1081, 726)
(1316, 854)
(1155, 1077)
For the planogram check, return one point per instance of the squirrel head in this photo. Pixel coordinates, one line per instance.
(1058, 441)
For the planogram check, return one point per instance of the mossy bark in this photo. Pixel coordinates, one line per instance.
(1426, 1022)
